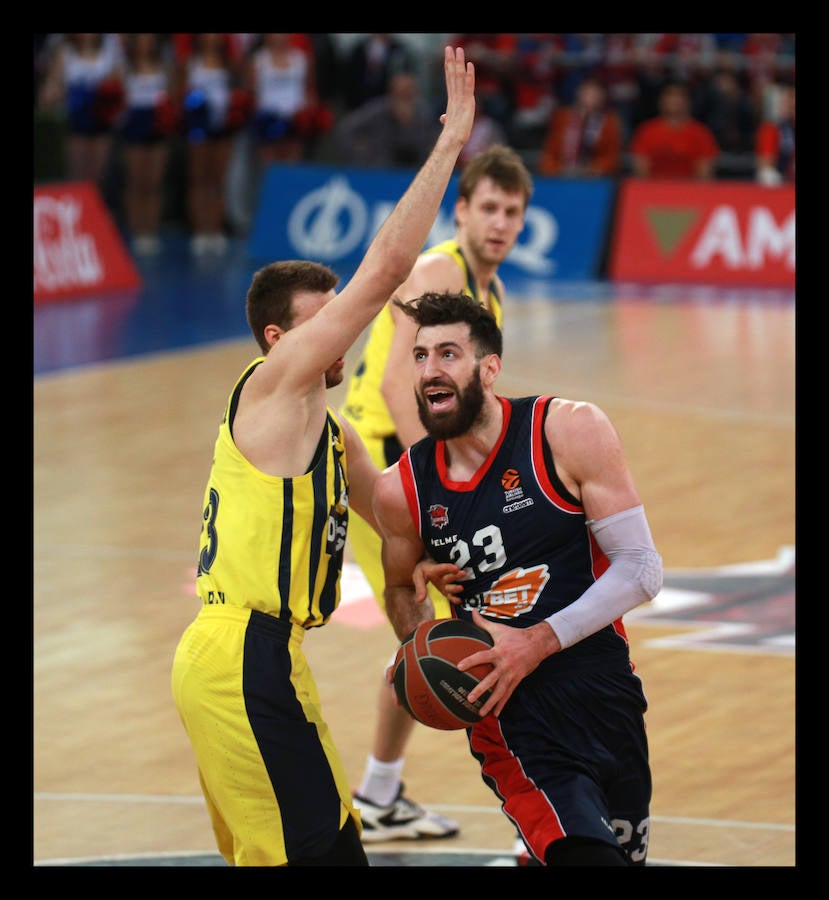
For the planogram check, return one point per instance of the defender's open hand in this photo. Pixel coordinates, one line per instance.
(460, 95)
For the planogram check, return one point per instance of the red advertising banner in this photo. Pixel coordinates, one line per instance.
(718, 232)
(77, 248)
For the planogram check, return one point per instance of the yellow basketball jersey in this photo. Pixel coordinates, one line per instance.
(274, 544)
(364, 405)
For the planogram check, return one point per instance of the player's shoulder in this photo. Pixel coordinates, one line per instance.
(434, 271)
(567, 414)
(443, 254)
(576, 426)
(389, 493)
(447, 247)
(573, 405)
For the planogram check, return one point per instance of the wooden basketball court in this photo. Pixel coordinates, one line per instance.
(702, 389)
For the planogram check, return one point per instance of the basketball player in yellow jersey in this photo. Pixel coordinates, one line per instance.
(494, 190)
(276, 507)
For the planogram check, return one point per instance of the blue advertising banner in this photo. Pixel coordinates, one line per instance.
(330, 214)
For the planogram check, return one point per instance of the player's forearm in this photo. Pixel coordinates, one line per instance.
(404, 612)
(403, 234)
(634, 576)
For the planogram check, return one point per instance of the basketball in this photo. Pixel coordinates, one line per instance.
(426, 678)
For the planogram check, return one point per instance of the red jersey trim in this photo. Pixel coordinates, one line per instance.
(540, 470)
(404, 467)
(440, 456)
(524, 803)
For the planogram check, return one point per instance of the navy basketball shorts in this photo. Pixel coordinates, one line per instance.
(568, 756)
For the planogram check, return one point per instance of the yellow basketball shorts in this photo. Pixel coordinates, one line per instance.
(274, 784)
(365, 544)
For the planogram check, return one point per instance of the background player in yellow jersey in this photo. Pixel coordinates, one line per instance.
(494, 190)
(285, 472)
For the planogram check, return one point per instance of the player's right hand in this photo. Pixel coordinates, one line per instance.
(460, 95)
(444, 576)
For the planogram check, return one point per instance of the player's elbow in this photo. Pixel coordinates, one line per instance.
(386, 269)
(397, 267)
(651, 574)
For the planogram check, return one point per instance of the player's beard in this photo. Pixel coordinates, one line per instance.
(470, 402)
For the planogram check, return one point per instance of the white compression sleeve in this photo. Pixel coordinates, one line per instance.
(633, 577)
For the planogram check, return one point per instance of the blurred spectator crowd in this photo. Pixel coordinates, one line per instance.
(178, 128)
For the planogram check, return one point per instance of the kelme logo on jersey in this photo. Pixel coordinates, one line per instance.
(515, 592)
(439, 515)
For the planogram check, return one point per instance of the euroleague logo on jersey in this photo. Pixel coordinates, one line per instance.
(513, 492)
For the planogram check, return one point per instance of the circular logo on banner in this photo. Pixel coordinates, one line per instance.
(328, 222)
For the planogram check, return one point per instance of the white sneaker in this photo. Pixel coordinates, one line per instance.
(402, 820)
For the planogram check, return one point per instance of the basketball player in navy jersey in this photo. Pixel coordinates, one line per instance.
(533, 501)
(494, 191)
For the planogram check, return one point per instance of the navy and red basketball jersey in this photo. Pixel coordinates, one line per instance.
(517, 531)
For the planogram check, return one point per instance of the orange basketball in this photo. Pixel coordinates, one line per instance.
(426, 678)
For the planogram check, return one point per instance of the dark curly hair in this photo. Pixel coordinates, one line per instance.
(447, 308)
